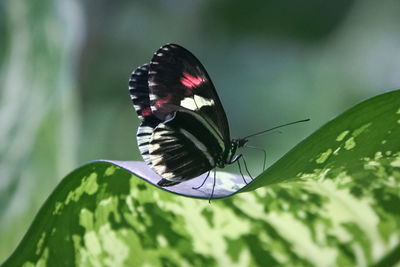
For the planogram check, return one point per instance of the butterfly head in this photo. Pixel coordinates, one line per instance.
(231, 156)
(240, 142)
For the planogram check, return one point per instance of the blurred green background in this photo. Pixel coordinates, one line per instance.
(65, 64)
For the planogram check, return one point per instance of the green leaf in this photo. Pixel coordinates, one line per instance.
(332, 200)
(357, 142)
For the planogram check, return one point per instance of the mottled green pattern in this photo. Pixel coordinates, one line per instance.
(332, 201)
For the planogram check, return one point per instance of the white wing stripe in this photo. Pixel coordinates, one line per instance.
(209, 125)
(196, 102)
(199, 145)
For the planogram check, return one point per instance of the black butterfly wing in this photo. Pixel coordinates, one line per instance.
(178, 79)
(143, 138)
(184, 147)
(162, 147)
(139, 92)
(184, 129)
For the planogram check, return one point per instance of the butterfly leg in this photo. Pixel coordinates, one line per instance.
(212, 192)
(240, 168)
(198, 187)
(260, 149)
(245, 166)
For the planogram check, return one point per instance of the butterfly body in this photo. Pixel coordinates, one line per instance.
(184, 130)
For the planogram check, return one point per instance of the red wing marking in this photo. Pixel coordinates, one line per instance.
(146, 112)
(190, 81)
(160, 102)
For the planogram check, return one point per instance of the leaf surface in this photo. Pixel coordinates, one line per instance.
(332, 200)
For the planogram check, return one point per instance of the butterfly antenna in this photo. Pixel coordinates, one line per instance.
(273, 128)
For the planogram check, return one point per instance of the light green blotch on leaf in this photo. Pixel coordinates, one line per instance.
(344, 208)
(289, 228)
(117, 251)
(42, 262)
(350, 143)
(370, 164)
(132, 216)
(105, 208)
(398, 121)
(324, 156)
(129, 203)
(92, 243)
(110, 171)
(299, 236)
(398, 111)
(88, 185)
(336, 152)
(395, 163)
(318, 174)
(144, 194)
(162, 241)
(142, 255)
(391, 181)
(40, 243)
(358, 131)
(104, 241)
(91, 185)
(377, 165)
(343, 179)
(342, 135)
(83, 255)
(378, 155)
(189, 212)
(383, 142)
(86, 219)
(133, 192)
(57, 207)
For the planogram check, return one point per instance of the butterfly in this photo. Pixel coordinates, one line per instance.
(184, 130)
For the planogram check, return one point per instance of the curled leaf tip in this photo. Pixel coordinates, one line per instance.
(226, 184)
